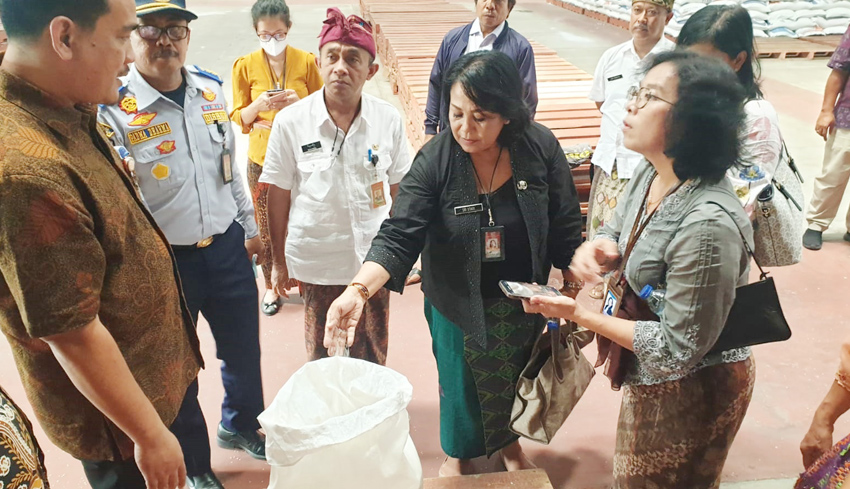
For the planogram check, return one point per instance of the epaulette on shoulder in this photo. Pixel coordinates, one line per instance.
(206, 73)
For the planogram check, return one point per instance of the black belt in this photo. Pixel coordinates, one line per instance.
(197, 246)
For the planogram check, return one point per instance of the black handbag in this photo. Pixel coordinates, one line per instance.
(756, 316)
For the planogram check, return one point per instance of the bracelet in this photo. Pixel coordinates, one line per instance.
(362, 289)
(574, 285)
(843, 380)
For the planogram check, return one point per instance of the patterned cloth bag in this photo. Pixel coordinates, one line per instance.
(830, 471)
(778, 217)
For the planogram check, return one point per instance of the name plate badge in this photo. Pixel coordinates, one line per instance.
(463, 210)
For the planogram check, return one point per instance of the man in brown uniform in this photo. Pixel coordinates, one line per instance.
(89, 298)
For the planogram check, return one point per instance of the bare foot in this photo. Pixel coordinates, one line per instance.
(454, 467)
(514, 458)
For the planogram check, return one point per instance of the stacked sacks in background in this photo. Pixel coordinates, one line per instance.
(786, 18)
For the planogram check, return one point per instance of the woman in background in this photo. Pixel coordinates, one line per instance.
(264, 82)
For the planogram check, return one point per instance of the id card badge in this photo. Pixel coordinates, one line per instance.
(379, 198)
(613, 297)
(493, 243)
(226, 166)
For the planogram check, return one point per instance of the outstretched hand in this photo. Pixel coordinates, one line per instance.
(342, 319)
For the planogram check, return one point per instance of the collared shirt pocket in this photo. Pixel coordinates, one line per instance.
(157, 169)
(315, 180)
(382, 165)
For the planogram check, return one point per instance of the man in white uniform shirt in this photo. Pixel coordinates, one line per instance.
(619, 69)
(334, 162)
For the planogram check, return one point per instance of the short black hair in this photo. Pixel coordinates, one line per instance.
(705, 125)
(729, 28)
(27, 19)
(270, 8)
(492, 81)
(511, 4)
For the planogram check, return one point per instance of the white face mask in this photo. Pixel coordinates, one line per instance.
(273, 47)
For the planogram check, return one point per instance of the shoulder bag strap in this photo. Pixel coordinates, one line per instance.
(762, 273)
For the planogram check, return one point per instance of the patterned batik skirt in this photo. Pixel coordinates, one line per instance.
(371, 338)
(478, 384)
(831, 469)
(677, 434)
(605, 193)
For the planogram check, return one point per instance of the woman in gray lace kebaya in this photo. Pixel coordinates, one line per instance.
(682, 405)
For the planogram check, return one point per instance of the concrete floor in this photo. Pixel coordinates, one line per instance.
(792, 376)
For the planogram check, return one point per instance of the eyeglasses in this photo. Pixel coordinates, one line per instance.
(643, 95)
(268, 37)
(153, 33)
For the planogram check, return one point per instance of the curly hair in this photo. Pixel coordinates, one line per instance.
(705, 124)
(729, 28)
(491, 80)
(270, 8)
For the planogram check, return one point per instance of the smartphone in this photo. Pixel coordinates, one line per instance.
(274, 91)
(522, 290)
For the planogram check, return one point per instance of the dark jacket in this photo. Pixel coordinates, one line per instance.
(424, 221)
(510, 42)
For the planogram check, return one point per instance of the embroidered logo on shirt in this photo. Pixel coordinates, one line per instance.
(129, 105)
(167, 147)
(217, 116)
(212, 107)
(142, 120)
(160, 171)
(142, 135)
(208, 94)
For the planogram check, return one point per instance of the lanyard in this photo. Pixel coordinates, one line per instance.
(489, 190)
(345, 134)
(276, 81)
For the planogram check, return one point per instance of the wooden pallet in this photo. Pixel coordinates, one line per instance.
(782, 48)
(523, 479)
(408, 35)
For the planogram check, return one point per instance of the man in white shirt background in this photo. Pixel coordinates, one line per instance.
(334, 162)
(618, 70)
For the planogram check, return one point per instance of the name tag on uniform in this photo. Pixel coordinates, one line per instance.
(463, 210)
(142, 135)
(615, 78)
(213, 117)
(312, 147)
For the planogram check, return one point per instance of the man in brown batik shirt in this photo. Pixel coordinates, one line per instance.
(89, 298)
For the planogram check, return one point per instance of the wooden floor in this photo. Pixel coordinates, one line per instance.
(408, 35)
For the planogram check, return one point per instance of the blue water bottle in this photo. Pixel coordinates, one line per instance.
(654, 298)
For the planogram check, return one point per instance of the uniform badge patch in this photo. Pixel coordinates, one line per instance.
(129, 105)
(167, 147)
(143, 119)
(160, 171)
(213, 117)
(142, 135)
(209, 95)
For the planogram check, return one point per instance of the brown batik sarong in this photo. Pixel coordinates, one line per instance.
(677, 434)
(370, 342)
(260, 196)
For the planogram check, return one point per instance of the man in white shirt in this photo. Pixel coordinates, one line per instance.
(619, 69)
(334, 162)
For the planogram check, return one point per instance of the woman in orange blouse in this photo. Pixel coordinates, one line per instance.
(264, 82)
